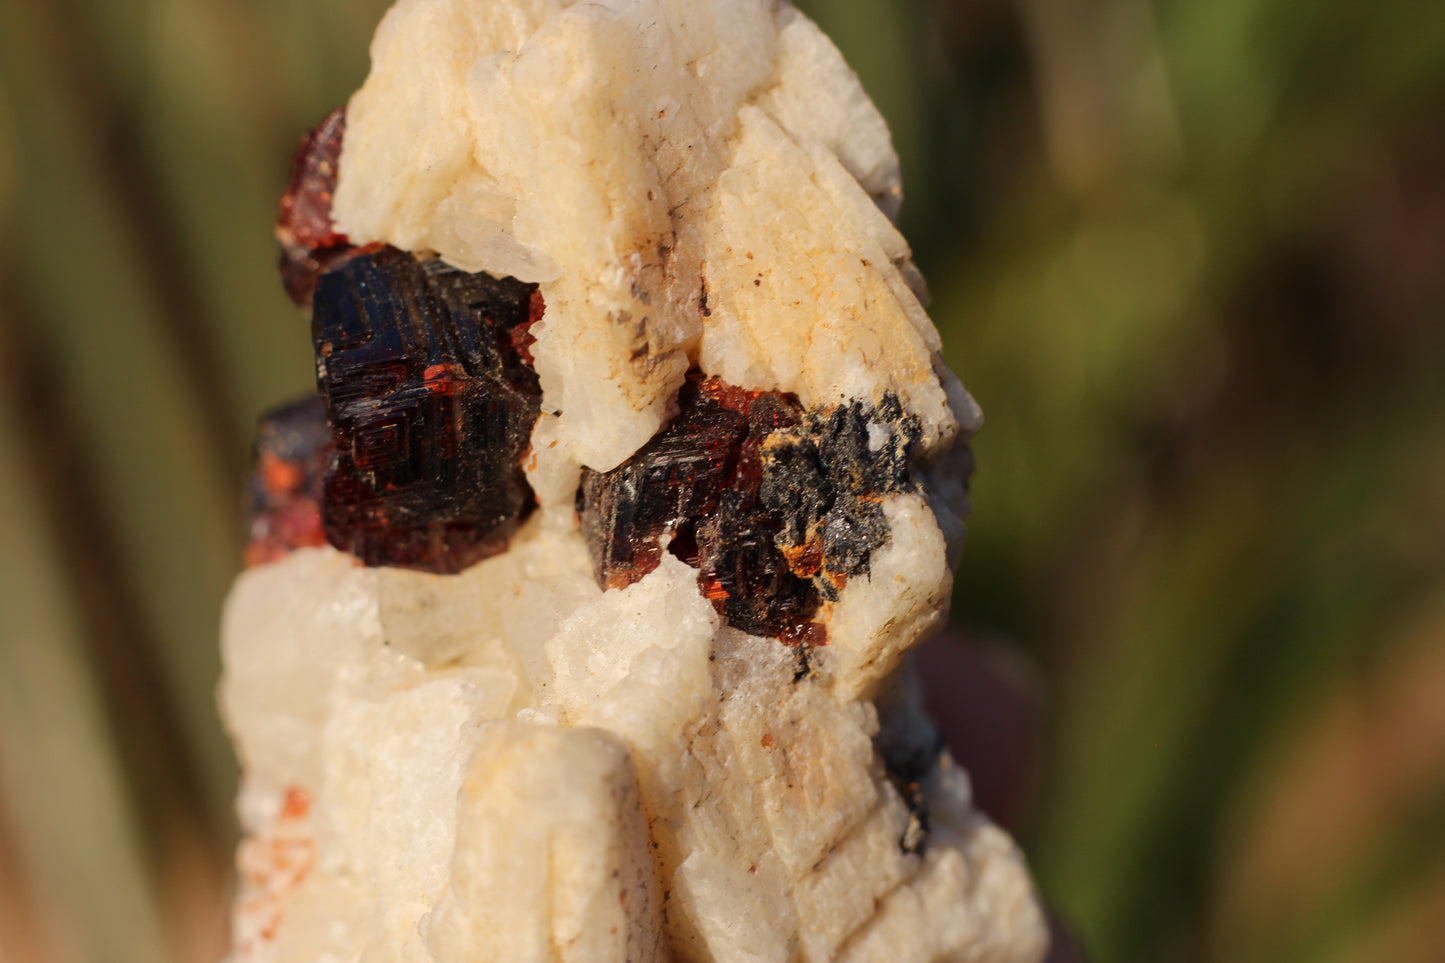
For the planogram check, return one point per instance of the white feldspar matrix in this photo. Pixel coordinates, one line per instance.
(640, 472)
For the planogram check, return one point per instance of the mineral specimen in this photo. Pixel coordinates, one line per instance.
(293, 446)
(776, 507)
(624, 674)
(431, 407)
(309, 240)
(697, 482)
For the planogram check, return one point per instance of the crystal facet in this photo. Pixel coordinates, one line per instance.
(431, 407)
(776, 507)
(308, 236)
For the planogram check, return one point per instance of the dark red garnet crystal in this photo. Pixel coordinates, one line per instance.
(308, 237)
(293, 447)
(431, 408)
(774, 506)
(412, 455)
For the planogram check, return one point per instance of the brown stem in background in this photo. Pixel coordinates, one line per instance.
(164, 782)
(132, 183)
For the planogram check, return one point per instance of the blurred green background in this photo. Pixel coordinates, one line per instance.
(1188, 254)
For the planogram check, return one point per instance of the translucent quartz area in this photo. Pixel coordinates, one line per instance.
(574, 749)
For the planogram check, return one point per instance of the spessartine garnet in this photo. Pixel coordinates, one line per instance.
(308, 237)
(774, 506)
(293, 447)
(431, 407)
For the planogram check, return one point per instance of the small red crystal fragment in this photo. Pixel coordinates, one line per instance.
(292, 449)
(309, 240)
(677, 476)
(297, 804)
(521, 334)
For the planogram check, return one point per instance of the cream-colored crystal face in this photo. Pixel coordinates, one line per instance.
(513, 764)
(693, 183)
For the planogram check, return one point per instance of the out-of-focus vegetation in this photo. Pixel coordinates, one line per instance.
(1188, 254)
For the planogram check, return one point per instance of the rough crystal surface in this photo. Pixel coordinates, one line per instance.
(698, 485)
(431, 408)
(714, 174)
(293, 447)
(524, 732)
(776, 507)
(308, 236)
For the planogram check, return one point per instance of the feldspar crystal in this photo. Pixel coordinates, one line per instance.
(640, 473)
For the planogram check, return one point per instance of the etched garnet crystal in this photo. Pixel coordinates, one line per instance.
(774, 506)
(431, 407)
(293, 447)
(304, 228)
